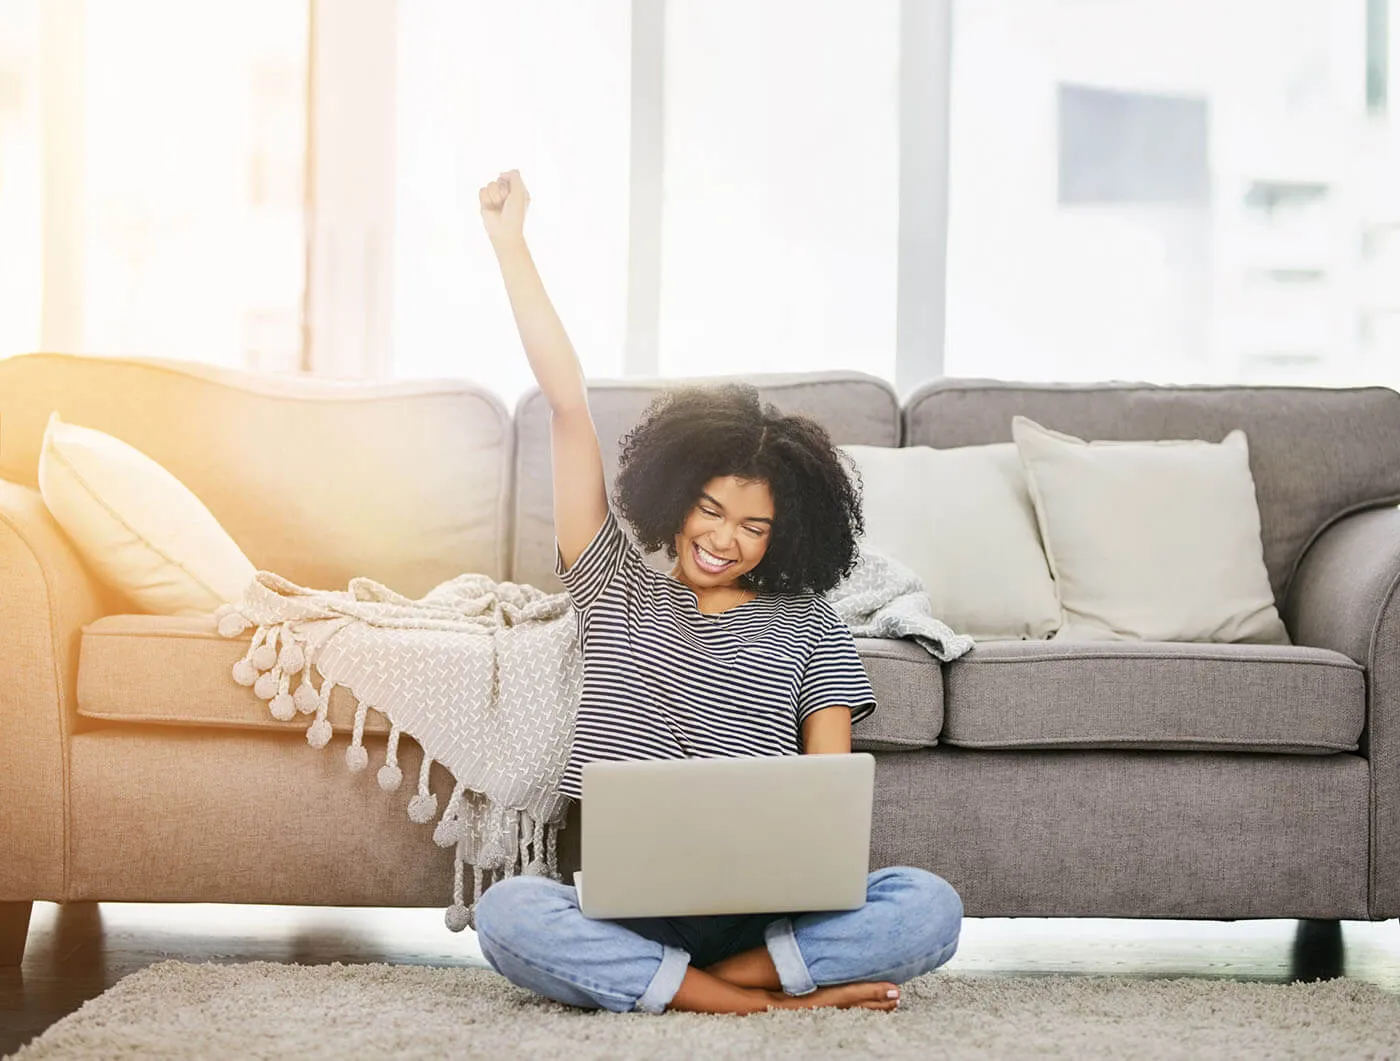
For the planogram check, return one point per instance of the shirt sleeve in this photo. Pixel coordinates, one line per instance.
(835, 674)
(598, 566)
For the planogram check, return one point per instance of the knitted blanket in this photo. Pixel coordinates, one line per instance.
(485, 676)
(883, 598)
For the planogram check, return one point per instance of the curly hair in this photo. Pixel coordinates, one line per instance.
(692, 434)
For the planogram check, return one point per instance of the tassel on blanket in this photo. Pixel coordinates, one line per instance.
(423, 806)
(292, 657)
(282, 706)
(536, 867)
(449, 826)
(458, 916)
(230, 622)
(244, 672)
(494, 853)
(265, 657)
(356, 758)
(265, 688)
(305, 697)
(526, 829)
(318, 734)
(390, 777)
(551, 835)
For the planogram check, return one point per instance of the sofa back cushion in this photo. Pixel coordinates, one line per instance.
(318, 480)
(962, 519)
(142, 531)
(854, 407)
(1316, 453)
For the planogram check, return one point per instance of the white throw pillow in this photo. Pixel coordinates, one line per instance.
(962, 520)
(1152, 541)
(137, 526)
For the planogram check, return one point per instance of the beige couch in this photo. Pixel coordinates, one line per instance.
(1113, 779)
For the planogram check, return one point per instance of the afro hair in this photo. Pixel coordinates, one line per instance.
(692, 434)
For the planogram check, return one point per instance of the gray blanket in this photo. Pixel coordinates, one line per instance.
(883, 598)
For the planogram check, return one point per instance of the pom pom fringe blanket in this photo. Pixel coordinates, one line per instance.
(485, 676)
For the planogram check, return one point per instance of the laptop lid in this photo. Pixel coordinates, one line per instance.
(759, 834)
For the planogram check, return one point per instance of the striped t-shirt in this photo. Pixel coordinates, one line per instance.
(663, 680)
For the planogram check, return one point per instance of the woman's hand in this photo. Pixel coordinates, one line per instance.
(503, 205)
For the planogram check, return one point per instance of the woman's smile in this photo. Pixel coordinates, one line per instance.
(709, 563)
(724, 535)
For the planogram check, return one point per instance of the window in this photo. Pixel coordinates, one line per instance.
(780, 210)
(1170, 190)
(1377, 55)
(20, 177)
(532, 85)
(779, 183)
(169, 220)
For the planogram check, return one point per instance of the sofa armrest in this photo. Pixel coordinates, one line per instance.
(46, 597)
(1345, 595)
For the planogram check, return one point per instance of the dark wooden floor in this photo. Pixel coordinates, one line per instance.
(75, 952)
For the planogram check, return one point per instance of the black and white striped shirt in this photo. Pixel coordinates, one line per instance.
(663, 680)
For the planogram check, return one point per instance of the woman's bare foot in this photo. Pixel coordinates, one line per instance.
(702, 992)
(842, 996)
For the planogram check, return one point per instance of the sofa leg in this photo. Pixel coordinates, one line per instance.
(1318, 950)
(14, 928)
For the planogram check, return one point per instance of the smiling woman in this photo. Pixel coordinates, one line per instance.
(735, 653)
(715, 468)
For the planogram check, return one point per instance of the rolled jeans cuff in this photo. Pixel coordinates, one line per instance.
(793, 973)
(666, 981)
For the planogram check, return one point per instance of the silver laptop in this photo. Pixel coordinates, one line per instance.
(765, 834)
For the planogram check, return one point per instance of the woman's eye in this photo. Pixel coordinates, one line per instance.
(757, 532)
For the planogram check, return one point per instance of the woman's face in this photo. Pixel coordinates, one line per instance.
(732, 520)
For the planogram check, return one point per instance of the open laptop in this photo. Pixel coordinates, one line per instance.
(762, 834)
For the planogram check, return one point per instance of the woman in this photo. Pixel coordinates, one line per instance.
(733, 653)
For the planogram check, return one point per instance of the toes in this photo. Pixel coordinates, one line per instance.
(877, 996)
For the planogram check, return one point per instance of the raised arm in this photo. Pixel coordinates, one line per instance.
(580, 494)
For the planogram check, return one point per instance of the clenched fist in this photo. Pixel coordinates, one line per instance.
(503, 205)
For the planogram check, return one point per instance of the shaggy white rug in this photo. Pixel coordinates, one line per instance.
(266, 1010)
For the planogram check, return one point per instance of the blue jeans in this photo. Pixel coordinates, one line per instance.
(532, 932)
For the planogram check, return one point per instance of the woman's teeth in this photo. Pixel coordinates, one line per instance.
(708, 562)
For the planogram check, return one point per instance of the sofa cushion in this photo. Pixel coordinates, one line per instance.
(962, 520)
(908, 686)
(138, 527)
(1151, 541)
(1154, 694)
(178, 670)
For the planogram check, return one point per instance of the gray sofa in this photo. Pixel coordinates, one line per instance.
(1112, 779)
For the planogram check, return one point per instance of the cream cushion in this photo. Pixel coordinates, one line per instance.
(1152, 541)
(962, 520)
(137, 526)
